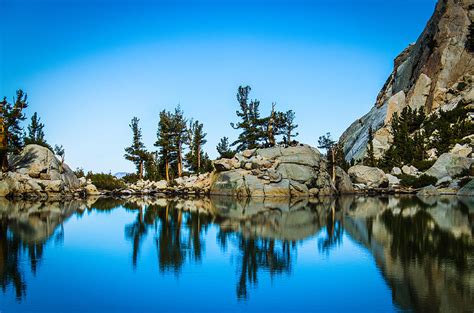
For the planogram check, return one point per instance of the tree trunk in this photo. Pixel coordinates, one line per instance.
(167, 169)
(198, 159)
(180, 161)
(333, 166)
(140, 170)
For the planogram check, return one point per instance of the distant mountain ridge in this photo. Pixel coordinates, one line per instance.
(435, 73)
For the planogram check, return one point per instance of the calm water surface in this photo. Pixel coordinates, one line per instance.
(155, 255)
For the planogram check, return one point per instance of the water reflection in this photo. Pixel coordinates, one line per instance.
(423, 247)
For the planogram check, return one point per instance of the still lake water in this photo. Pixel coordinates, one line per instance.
(393, 254)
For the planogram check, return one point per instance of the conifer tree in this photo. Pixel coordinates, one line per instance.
(179, 131)
(325, 142)
(59, 151)
(196, 139)
(151, 166)
(224, 149)
(370, 158)
(136, 153)
(11, 133)
(250, 124)
(35, 132)
(289, 126)
(164, 143)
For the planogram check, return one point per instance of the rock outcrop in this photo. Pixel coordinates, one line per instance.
(371, 177)
(450, 165)
(37, 173)
(436, 72)
(273, 172)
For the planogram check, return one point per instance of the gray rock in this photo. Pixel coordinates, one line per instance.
(449, 165)
(392, 180)
(343, 182)
(410, 170)
(396, 171)
(428, 191)
(372, 177)
(275, 172)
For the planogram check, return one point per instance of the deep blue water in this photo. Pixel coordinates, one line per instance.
(349, 255)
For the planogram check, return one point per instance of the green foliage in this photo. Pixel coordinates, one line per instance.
(224, 149)
(105, 181)
(423, 165)
(136, 153)
(130, 178)
(417, 182)
(151, 166)
(36, 133)
(406, 148)
(257, 131)
(196, 140)
(448, 128)
(79, 172)
(251, 124)
(369, 160)
(13, 115)
(334, 152)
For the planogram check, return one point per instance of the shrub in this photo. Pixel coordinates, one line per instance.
(130, 178)
(417, 182)
(423, 165)
(105, 181)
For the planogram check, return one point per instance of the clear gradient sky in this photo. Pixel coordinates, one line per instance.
(90, 66)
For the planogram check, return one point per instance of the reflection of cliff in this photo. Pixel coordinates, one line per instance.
(25, 227)
(425, 251)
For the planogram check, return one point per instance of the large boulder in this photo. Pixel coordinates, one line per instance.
(343, 182)
(39, 162)
(428, 191)
(449, 164)
(372, 177)
(273, 172)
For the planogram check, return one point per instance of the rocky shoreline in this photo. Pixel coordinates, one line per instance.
(278, 172)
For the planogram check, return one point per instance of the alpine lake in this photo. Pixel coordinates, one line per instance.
(347, 254)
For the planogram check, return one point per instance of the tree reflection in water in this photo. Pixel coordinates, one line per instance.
(415, 243)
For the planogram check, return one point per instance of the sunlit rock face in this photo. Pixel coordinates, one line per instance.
(423, 248)
(434, 73)
(273, 172)
(37, 173)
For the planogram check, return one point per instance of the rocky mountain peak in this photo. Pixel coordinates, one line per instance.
(434, 73)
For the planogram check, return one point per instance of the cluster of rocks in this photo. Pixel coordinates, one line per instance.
(294, 171)
(37, 173)
(186, 185)
(449, 170)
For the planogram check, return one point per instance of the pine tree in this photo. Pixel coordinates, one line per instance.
(151, 166)
(136, 153)
(369, 160)
(59, 151)
(179, 131)
(164, 142)
(36, 133)
(325, 142)
(196, 139)
(224, 149)
(289, 126)
(11, 133)
(13, 116)
(251, 124)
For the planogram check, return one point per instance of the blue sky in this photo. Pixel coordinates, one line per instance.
(90, 66)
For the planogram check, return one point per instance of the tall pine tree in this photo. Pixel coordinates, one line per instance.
(35, 132)
(196, 139)
(369, 160)
(136, 153)
(164, 142)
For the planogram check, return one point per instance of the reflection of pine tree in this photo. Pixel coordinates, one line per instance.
(136, 232)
